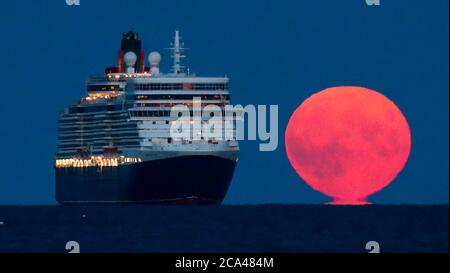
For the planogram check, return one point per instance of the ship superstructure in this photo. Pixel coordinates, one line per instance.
(115, 144)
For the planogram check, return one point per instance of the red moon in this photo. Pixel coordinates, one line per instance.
(348, 143)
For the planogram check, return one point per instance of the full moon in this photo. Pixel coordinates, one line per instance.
(348, 143)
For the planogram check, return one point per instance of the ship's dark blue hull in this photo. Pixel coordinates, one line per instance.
(186, 179)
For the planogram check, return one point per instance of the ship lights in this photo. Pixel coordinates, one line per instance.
(96, 161)
(97, 96)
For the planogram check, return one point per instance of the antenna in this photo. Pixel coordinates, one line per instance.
(177, 50)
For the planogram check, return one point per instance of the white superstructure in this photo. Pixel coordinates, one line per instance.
(128, 112)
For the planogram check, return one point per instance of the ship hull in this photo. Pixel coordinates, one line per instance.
(199, 179)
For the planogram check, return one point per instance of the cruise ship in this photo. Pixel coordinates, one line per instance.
(115, 144)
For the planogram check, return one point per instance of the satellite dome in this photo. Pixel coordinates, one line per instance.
(154, 58)
(130, 58)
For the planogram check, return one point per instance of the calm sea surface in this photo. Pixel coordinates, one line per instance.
(262, 228)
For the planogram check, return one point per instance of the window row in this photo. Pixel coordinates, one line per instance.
(85, 136)
(99, 127)
(93, 119)
(95, 108)
(103, 88)
(99, 144)
(181, 86)
(163, 113)
(178, 97)
(171, 104)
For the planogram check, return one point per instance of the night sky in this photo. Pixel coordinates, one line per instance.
(275, 52)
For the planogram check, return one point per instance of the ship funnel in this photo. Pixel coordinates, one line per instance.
(131, 43)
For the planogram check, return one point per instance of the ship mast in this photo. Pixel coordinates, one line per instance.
(177, 50)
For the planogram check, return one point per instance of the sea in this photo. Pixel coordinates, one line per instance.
(225, 229)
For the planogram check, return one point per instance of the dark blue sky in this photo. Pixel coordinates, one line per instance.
(275, 52)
